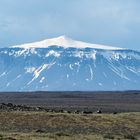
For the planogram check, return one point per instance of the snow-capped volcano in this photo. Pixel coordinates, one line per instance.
(63, 64)
(65, 42)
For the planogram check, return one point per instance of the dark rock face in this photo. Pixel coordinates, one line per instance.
(115, 112)
(40, 131)
(87, 112)
(99, 111)
(13, 107)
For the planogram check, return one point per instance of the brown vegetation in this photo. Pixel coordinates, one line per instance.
(105, 126)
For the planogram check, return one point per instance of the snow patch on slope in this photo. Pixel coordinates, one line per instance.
(37, 72)
(54, 53)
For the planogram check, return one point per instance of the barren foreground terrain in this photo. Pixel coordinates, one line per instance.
(64, 126)
(70, 116)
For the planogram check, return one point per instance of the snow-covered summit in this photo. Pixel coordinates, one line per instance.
(65, 42)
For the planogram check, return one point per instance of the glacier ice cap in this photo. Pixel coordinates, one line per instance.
(65, 42)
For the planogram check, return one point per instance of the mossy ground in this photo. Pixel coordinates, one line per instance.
(63, 126)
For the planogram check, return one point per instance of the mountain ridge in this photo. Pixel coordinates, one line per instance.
(59, 68)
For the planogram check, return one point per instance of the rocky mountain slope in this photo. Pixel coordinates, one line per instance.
(63, 64)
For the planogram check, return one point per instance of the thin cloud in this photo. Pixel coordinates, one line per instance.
(111, 22)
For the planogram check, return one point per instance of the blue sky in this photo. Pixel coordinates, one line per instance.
(110, 22)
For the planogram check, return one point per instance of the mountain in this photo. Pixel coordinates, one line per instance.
(63, 64)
